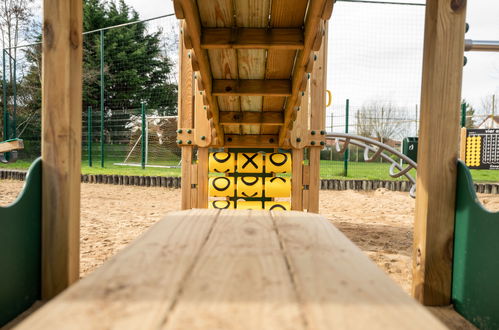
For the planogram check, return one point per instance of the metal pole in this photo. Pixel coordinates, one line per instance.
(5, 110)
(14, 111)
(102, 158)
(89, 136)
(481, 45)
(143, 149)
(345, 159)
(463, 115)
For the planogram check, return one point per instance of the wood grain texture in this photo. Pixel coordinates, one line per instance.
(338, 286)
(186, 162)
(61, 144)
(438, 151)
(202, 190)
(11, 146)
(251, 118)
(251, 141)
(252, 38)
(452, 319)
(137, 288)
(254, 87)
(233, 269)
(462, 144)
(315, 180)
(241, 280)
(185, 90)
(297, 180)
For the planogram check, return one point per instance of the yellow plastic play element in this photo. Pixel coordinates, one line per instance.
(277, 206)
(249, 186)
(473, 151)
(222, 162)
(243, 205)
(222, 205)
(250, 162)
(278, 163)
(277, 187)
(221, 186)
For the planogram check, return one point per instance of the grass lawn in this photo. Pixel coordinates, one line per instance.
(329, 170)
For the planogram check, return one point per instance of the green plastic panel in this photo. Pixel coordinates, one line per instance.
(475, 282)
(20, 249)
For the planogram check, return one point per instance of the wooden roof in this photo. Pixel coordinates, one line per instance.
(253, 58)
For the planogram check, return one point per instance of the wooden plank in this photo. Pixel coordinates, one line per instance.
(186, 177)
(251, 141)
(61, 144)
(11, 145)
(438, 151)
(254, 87)
(185, 90)
(249, 118)
(216, 13)
(318, 83)
(338, 286)
(315, 180)
(203, 130)
(203, 178)
(452, 319)
(462, 145)
(194, 185)
(137, 288)
(297, 180)
(241, 280)
(312, 26)
(252, 38)
(193, 32)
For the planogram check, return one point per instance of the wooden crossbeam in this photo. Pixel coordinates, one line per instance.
(251, 141)
(253, 87)
(250, 118)
(192, 37)
(11, 145)
(316, 12)
(252, 38)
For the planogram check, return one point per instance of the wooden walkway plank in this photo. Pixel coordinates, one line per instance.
(338, 287)
(119, 295)
(241, 280)
(11, 145)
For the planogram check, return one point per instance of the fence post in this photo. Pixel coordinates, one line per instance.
(89, 136)
(463, 115)
(102, 158)
(143, 140)
(5, 110)
(345, 159)
(14, 90)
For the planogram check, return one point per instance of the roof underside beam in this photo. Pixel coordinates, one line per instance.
(251, 118)
(252, 38)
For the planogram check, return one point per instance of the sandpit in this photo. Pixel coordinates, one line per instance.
(379, 222)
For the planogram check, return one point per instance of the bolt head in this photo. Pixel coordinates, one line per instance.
(313, 132)
(179, 131)
(179, 141)
(189, 142)
(203, 137)
(298, 140)
(323, 133)
(322, 143)
(189, 131)
(312, 143)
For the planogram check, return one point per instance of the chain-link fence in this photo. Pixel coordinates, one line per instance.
(129, 95)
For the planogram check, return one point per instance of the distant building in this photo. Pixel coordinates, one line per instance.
(490, 122)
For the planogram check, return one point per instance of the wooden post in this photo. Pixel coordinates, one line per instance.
(203, 178)
(297, 180)
(61, 144)
(317, 121)
(462, 145)
(438, 150)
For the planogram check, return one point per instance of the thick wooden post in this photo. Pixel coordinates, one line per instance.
(61, 144)
(203, 154)
(297, 180)
(438, 150)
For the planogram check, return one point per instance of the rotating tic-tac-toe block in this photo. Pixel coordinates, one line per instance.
(249, 186)
(221, 186)
(222, 162)
(221, 205)
(278, 163)
(278, 206)
(277, 187)
(243, 205)
(250, 163)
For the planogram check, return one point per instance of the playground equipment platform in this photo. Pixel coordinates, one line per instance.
(212, 269)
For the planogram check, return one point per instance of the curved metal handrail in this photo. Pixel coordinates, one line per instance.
(377, 149)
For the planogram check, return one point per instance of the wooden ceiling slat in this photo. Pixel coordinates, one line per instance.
(252, 38)
(252, 87)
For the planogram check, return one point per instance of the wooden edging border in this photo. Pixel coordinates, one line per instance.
(175, 182)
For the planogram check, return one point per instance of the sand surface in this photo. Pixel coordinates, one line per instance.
(379, 222)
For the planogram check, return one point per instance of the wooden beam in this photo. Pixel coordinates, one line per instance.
(438, 150)
(186, 203)
(61, 144)
(297, 180)
(250, 118)
(203, 154)
(312, 25)
(251, 141)
(252, 38)
(190, 12)
(11, 145)
(252, 87)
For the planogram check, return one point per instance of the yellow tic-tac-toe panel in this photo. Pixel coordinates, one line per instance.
(221, 187)
(222, 162)
(277, 187)
(250, 163)
(249, 186)
(221, 205)
(249, 205)
(473, 151)
(278, 206)
(278, 163)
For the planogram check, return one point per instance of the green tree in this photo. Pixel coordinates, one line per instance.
(470, 112)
